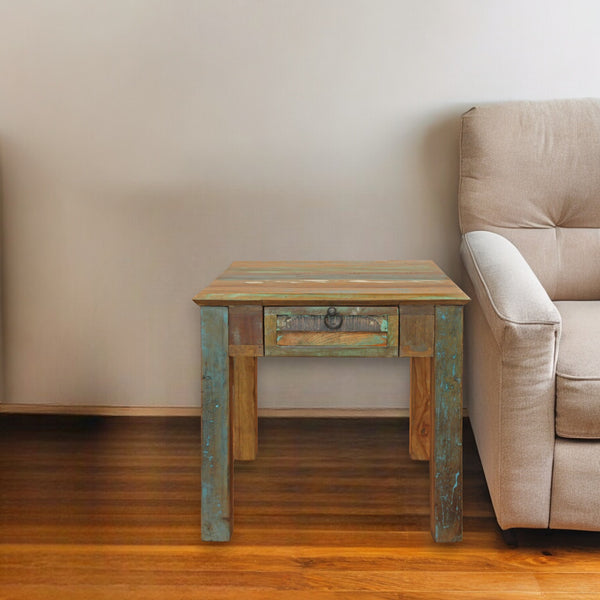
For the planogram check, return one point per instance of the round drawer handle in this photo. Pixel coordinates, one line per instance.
(332, 319)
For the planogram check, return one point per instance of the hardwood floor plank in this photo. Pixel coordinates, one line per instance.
(148, 592)
(289, 558)
(107, 508)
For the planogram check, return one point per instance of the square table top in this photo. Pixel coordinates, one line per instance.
(285, 283)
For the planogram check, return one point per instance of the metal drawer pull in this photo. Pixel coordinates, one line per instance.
(332, 319)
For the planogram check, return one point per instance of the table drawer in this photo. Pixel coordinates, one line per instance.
(331, 331)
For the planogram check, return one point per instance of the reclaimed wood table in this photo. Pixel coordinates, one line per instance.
(323, 308)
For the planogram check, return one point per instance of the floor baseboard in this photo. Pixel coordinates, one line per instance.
(170, 411)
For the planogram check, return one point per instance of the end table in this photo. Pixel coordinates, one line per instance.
(324, 308)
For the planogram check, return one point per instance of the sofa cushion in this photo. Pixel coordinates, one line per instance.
(578, 371)
(575, 483)
(529, 171)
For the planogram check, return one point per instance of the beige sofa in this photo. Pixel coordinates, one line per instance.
(529, 204)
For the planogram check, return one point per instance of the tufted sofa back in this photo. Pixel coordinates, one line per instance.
(530, 171)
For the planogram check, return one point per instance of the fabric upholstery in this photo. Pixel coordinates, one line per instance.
(501, 427)
(511, 354)
(530, 171)
(512, 290)
(578, 371)
(529, 208)
(575, 499)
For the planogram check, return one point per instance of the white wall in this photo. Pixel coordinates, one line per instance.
(147, 144)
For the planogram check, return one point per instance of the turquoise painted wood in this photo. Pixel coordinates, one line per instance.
(217, 456)
(303, 331)
(446, 446)
(274, 306)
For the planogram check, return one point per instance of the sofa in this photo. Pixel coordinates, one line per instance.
(529, 210)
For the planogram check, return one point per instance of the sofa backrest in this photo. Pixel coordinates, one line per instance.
(530, 171)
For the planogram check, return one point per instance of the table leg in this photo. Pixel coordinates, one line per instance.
(445, 464)
(420, 407)
(217, 456)
(245, 412)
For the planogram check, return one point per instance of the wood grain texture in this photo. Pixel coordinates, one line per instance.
(372, 319)
(350, 323)
(416, 331)
(245, 407)
(446, 417)
(245, 350)
(299, 331)
(331, 338)
(302, 331)
(279, 283)
(421, 370)
(97, 508)
(339, 351)
(217, 455)
(312, 318)
(245, 330)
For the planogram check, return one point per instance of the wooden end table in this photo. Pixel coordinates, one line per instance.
(383, 308)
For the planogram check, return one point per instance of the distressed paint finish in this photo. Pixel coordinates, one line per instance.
(350, 323)
(287, 301)
(217, 456)
(446, 441)
(356, 318)
(301, 331)
(278, 283)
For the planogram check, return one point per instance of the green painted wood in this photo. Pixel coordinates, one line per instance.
(344, 282)
(307, 288)
(217, 459)
(284, 324)
(446, 446)
(315, 271)
(312, 318)
(321, 310)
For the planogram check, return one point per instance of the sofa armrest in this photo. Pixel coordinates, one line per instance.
(512, 334)
(507, 288)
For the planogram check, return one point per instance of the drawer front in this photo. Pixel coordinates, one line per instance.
(331, 331)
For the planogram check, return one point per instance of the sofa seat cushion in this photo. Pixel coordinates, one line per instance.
(578, 371)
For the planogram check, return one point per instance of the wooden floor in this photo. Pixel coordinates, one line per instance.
(108, 508)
